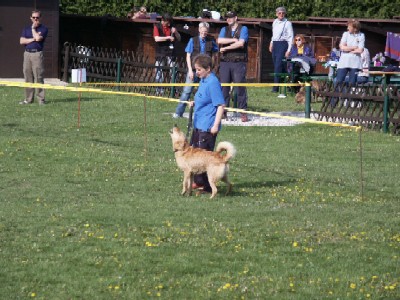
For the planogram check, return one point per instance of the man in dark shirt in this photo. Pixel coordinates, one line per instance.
(33, 37)
(233, 40)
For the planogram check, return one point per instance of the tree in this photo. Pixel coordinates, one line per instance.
(297, 9)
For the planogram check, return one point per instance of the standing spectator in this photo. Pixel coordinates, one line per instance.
(351, 45)
(233, 40)
(209, 108)
(203, 44)
(33, 37)
(281, 43)
(165, 36)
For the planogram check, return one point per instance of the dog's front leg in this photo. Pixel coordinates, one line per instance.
(190, 184)
(186, 180)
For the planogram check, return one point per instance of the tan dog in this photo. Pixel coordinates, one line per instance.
(196, 161)
(301, 95)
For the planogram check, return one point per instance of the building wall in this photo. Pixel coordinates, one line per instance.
(14, 16)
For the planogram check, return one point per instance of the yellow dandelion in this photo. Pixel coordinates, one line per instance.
(291, 284)
(226, 286)
(353, 285)
(295, 244)
(116, 287)
(33, 295)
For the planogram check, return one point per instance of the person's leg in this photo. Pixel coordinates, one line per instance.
(278, 53)
(28, 75)
(38, 72)
(160, 62)
(239, 76)
(362, 79)
(225, 77)
(341, 75)
(206, 141)
(353, 76)
(187, 90)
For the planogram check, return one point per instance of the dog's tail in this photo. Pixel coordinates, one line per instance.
(229, 148)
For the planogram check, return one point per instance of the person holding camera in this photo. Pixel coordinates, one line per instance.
(165, 35)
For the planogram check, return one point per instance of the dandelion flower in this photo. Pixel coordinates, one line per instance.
(353, 285)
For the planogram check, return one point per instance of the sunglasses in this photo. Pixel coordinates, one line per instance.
(35, 18)
(297, 40)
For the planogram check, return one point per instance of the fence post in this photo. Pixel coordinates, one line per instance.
(385, 107)
(308, 100)
(66, 60)
(119, 68)
(173, 80)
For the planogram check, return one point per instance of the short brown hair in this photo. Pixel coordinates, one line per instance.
(35, 11)
(355, 24)
(203, 60)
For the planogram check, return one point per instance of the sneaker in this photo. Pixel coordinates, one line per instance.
(176, 116)
(25, 102)
(244, 118)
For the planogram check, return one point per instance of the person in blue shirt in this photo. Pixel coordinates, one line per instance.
(233, 40)
(33, 38)
(209, 105)
(200, 44)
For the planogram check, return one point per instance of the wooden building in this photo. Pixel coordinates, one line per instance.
(136, 35)
(14, 16)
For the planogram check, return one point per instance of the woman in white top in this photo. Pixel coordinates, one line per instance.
(351, 45)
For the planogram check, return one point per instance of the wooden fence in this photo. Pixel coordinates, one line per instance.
(115, 66)
(374, 106)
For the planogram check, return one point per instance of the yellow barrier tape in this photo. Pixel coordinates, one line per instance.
(92, 90)
(194, 84)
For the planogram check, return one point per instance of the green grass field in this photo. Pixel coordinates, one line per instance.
(96, 213)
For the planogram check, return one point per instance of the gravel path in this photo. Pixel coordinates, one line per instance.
(256, 120)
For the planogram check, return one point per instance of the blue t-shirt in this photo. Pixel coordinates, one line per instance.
(207, 99)
(189, 46)
(27, 33)
(244, 33)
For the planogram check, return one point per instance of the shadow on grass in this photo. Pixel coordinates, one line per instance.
(74, 99)
(245, 189)
(10, 125)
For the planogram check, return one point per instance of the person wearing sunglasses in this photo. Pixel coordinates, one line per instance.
(301, 58)
(33, 38)
(281, 43)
